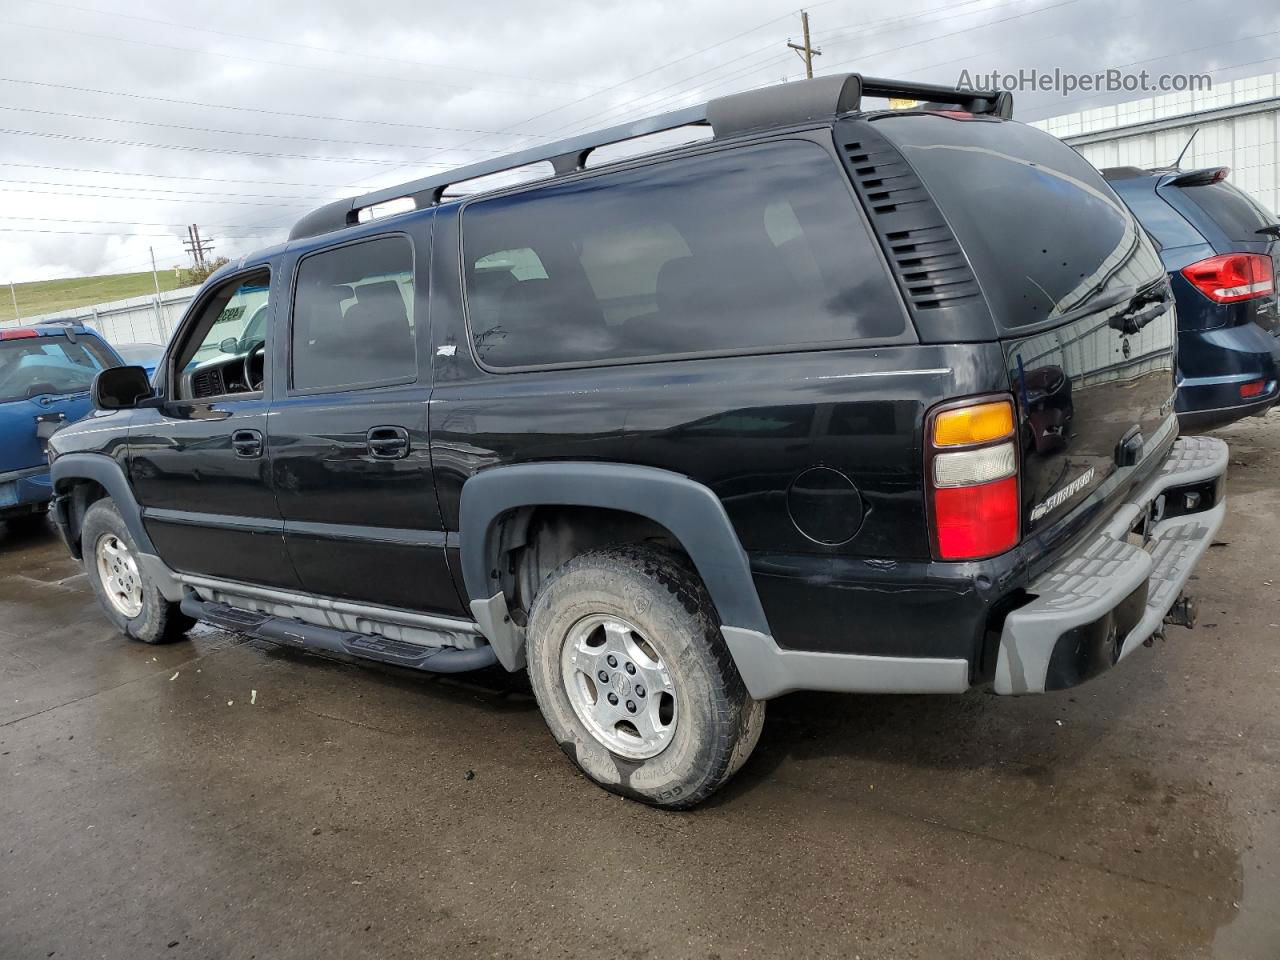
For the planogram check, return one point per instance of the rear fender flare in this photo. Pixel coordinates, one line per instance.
(688, 509)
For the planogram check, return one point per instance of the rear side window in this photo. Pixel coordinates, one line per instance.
(754, 248)
(1236, 213)
(1044, 232)
(1165, 223)
(353, 316)
(48, 366)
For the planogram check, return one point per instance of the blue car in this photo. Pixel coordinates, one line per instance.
(45, 375)
(1221, 248)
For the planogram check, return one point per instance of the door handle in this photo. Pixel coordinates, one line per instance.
(247, 443)
(388, 443)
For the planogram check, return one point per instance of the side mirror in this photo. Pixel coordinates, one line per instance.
(229, 345)
(120, 388)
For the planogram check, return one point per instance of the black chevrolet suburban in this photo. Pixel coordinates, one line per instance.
(830, 398)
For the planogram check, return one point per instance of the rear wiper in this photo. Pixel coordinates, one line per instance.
(1143, 309)
(1272, 230)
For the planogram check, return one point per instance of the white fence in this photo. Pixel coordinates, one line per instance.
(136, 320)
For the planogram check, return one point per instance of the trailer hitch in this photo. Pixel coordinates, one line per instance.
(1184, 611)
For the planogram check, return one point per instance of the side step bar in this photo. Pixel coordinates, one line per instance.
(296, 633)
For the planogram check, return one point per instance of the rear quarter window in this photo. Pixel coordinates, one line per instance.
(1165, 223)
(1236, 214)
(753, 248)
(1044, 232)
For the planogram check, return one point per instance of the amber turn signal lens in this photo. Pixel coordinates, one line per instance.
(979, 423)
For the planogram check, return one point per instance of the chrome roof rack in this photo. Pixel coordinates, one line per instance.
(788, 103)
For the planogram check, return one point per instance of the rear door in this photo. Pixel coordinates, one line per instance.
(1079, 298)
(348, 442)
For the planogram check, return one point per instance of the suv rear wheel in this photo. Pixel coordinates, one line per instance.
(634, 679)
(131, 600)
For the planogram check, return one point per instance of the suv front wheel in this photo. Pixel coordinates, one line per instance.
(128, 596)
(634, 678)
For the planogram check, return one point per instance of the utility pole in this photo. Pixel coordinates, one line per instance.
(155, 278)
(196, 246)
(808, 51)
(13, 292)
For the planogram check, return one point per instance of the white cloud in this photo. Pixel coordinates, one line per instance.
(444, 84)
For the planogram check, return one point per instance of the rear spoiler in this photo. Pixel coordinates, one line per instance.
(1200, 178)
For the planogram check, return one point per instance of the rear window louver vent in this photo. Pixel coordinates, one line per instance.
(926, 259)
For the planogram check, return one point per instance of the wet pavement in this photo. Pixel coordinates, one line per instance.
(227, 798)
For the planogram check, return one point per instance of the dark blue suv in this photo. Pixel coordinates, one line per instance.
(45, 375)
(1220, 247)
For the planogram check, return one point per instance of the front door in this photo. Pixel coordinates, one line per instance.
(348, 443)
(198, 460)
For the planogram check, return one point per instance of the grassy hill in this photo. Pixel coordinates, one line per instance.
(52, 296)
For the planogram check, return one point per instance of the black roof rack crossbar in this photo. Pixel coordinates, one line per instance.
(990, 102)
(787, 103)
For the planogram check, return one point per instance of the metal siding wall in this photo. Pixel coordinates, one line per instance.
(135, 320)
(1248, 145)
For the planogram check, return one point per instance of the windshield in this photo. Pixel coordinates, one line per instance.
(39, 366)
(1044, 232)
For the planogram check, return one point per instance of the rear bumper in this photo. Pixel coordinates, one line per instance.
(1109, 596)
(22, 491)
(1214, 364)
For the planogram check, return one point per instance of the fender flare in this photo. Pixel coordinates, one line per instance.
(694, 515)
(70, 467)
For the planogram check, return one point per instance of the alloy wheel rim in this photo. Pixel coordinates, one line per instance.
(619, 686)
(118, 571)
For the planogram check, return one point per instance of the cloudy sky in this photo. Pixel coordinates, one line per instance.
(123, 120)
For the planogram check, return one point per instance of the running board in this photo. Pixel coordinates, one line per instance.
(310, 636)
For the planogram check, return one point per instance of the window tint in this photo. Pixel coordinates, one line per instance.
(40, 366)
(1165, 223)
(353, 316)
(752, 248)
(1236, 213)
(1045, 233)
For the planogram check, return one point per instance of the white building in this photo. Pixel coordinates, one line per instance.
(1239, 124)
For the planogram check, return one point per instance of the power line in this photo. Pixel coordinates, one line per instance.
(262, 110)
(330, 70)
(305, 46)
(173, 176)
(126, 223)
(201, 149)
(89, 233)
(956, 33)
(238, 133)
(211, 200)
(211, 193)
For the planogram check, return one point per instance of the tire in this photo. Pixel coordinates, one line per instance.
(647, 603)
(156, 619)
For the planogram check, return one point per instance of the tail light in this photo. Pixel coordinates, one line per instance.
(1233, 277)
(971, 466)
(18, 333)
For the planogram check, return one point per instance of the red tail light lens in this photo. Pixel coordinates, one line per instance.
(974, 522)
(1233, 277)
(18, 334)
(972, 477)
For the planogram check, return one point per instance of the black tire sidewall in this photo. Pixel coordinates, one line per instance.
(103, 519)
(676, 618)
